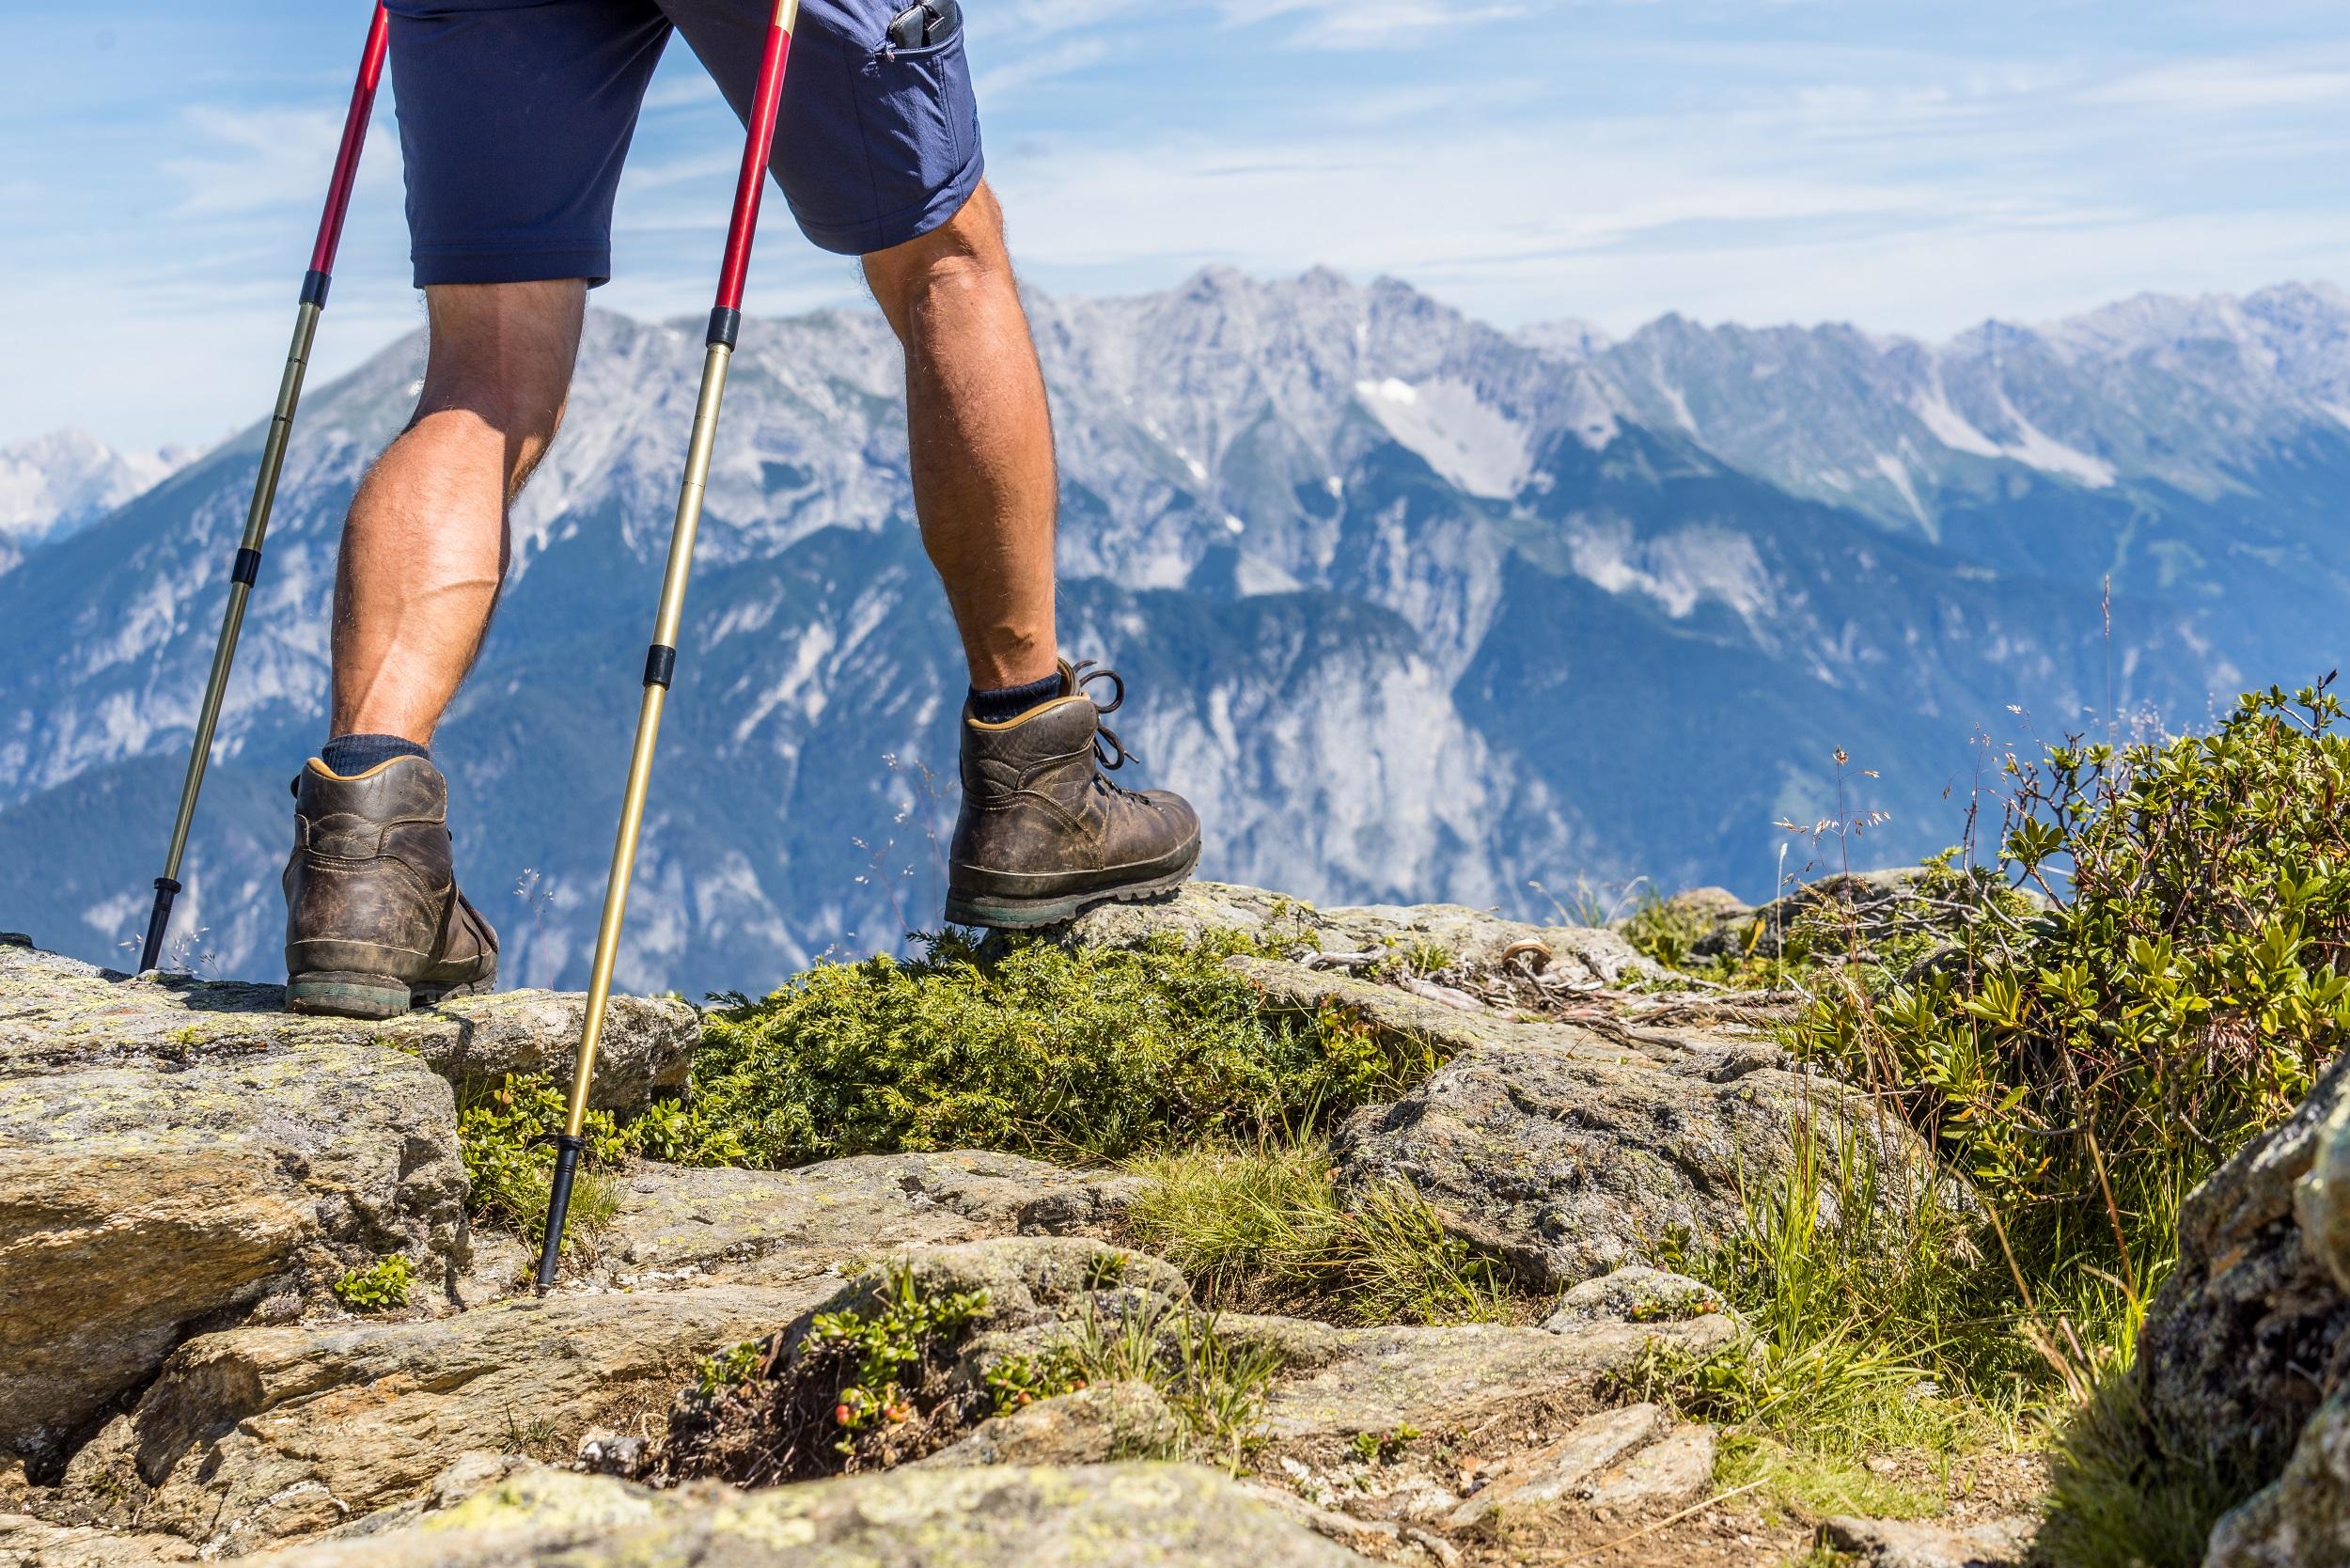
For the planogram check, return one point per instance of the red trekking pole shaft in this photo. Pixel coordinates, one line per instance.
(726, 320)
(245, 569)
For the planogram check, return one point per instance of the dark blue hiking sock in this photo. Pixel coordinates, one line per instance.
(1010, 703)
(351, 755)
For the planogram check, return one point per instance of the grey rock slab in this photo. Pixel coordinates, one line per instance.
(1467, 1382)
(678, 1221)
(1635, 1293)
(1672, 1472)
(2225, 1359)
(1109, 1421)
(1033, 1280)
(258, 1434)
(156, 1177)
(997, 1193)
(2303, 1516)
(1381, 1540)
(1086, 1516)
(1474, 938)
(1571, 1151)
(29, 1543)
(60, 1012)
(676, 1224)
(1547, 1474)
(1929, 1543)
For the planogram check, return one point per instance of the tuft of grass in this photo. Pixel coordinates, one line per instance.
(1810, 1485)
(1664, 929)
(2119, 1496)
(1877, 1326)
(1214, 1385)
(379, 1287)
(1265, 1226)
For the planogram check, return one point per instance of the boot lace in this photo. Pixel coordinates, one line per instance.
(1109, 752)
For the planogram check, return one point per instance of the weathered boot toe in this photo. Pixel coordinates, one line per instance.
(1044, 835)
(374, 921)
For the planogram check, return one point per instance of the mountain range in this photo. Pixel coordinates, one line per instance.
(1414, 607)
(52, 484)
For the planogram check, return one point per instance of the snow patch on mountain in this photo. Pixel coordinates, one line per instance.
(1679, 569)
(1897, 472)
(1475, 446)
(51, 484)
(1932, 405)
(1567, 338)
(2035, 449)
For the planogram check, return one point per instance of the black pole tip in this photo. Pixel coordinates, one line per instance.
(567, 1152)
(165, 890)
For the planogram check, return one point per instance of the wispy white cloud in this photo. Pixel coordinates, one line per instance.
(256, 160)
(682, 92)
(2228, 87)
(1371, 24)
(999, 85)
(1908, 167)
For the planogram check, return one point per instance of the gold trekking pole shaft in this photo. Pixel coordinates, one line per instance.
(726, 321)
(247, 568)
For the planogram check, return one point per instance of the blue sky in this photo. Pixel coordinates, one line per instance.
(1908, 166)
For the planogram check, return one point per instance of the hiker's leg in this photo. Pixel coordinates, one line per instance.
(980, 436)
(425, 548)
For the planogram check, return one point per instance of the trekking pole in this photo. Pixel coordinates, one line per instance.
(247, 568)
(726, 320)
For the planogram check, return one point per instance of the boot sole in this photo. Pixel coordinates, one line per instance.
(998, 912)
(345, 994)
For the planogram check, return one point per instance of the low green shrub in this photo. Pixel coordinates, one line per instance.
(1091, 1054)
(863, 1388)
(2088, 1062)
(378, 1287)
(506, 1137)
(887, 1342)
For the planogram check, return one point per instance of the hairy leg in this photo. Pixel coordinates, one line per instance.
(425, 548)
(980, 436)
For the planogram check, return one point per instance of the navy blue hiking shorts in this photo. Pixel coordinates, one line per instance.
(515, 117)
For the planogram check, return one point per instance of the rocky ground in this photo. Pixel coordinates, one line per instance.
(185, 1172)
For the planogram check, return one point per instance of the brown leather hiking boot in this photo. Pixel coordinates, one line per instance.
(1043, 836)
(374, 922)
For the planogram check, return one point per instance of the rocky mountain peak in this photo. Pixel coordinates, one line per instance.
(51, 484)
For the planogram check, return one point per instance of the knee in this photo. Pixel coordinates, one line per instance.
(966, 252)
(502, 354)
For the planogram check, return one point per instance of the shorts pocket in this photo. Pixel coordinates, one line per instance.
(920, 121)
